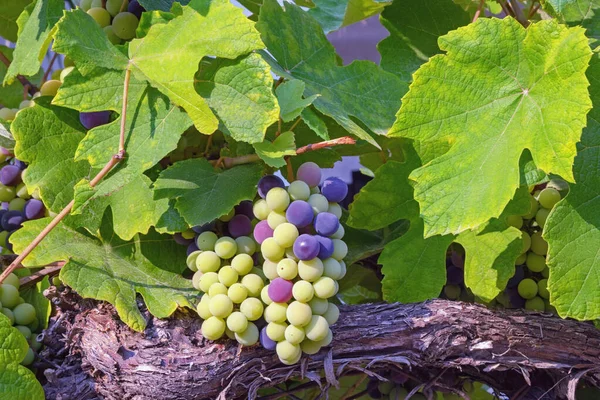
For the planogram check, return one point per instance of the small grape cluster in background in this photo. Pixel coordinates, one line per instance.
(119, 19)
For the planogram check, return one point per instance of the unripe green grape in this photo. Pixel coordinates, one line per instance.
(191, 260)
(546, 273)
(549, 197)
(85, 5)
(225, 247)
(315, 190)
(271, 250)
(206, 241)
(110, 34)
(299, 190)
(249, 337)
(206, 280)
(22, 191)
(332, 314)
(228, 276)
(541, 216)
(24, 314)
(335, 209)
(344, 270)
(276, 331)
(7, 193)
(332, 268)
(543, 288)
(254, 283)
(319, 203)
(289, 253)
(278, 199)
(97, 3)
(264, 295)
(115, 6)
(452, 292)
(9, 314)
(521, 259)
(527, 288)
(12, 280)
(102, 18)
(36, 345)
(25, 331)
(535, 263)
(9, 295)
(261, 209)
(276, 312)
(16, 204)
(252, 308)
(533, 207)
(318, 306)
(29, 358)
(317, 328)
(245, 245)
(339, 234)
(303, 291)
(298, 313)
(340, 249)
(227, 217)
(327, 340)
(208, 261)
(270, 269)
(535, 304)
(275, 219)
(213, 328)
(20, 300)
(237, 322)
(285, 234)
(538, 244)
(7, 114)
(526, 241)
(292, 361)
(310, 270)
(242, 264)
(124, 24)
(203, 307)
(287, 269)
(294, 334)
(237, 293)
(309, 347)
(259, 272)
(217, 288)
(50, 88)
(286, 350)
(229, 333)
(220, 305)
(324, 287)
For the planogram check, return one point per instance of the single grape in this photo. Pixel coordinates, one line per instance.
(287, 269)
(213, 328)
(115, 6)
(533, 207)
(261, 209)
(220, 305)
(538, 244)
(271, 250)
(543, 288)
(264, 295)
(309, 347)
(287, 351)
(124, 25)
(266, 341)
(267, 183)
(135, 8)
(242, 264)
(326, 224)
(452, 292)
(303, 291)
(332, 268)
(310, 270)
(27, 103)
(262, 231)
(285, 234)
(527, 288)
(278, 199)
(549, 197)
(276, 312)
(245, 245)
(535, 304)
(339, 234)
(7, 193)
(270, 269)
(298, 313)
(454, 275)
(206, 241)
(317, 328)
(29, 358)
(102, 18)
(207, 280)
(340, 249)
(13, 280)
(526, 241)
(22, 191)
(245, 208)
(85, 4)
(34, 209)
(225, 247)
(8, 314)
(181, 240)
(276, 330)
(203, 307)
(227, 275)
(318, 306)
(515, 221)
(521, 259)
(239, 225)
(90, 120)
(280, 290)
(254, 283)
(334, 189)
(248, 337)
(289, 253)
(332, 314)
(25, 331)
(326, 247)
(318, 203)
(325, 287)
(541, 216)
(10, 175)
(309, 173)
(208, 261)
(335, 209)
(252, 308)
(237, 293)
(217, 288)
(294, 334)
(9, 295)
(24, 314)
(237, 322)
(299, 190)
(535, 263)
(306, 247)
(546, 273)
(300, 213)
(276, 218)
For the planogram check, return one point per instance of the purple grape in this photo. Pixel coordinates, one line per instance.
(5, 205)
(262, 231)
(457, 259)
(266, 341)
(203, 228)
(326, 224)
(245, 208)
(267, 183)
(517, 277)
(18, 163)
(239, 225)
(280, 290)
(309, 173)
(325, 247)
(334, 189)
(192, 247)
(136, 8)
(299, 213)
(306, 247)
(12, 220)
(181, 240)
(91, 120)
(10, 175)
(5, 152)
(34, 209)
(454, 275)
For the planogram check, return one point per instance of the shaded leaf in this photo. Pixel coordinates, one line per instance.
(272, 153)
(289, 96)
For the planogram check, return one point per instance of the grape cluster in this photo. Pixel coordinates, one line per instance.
(119, 18)
(21, 314)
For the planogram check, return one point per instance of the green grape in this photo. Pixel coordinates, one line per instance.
(542, 216)
(36, 345)
(340, 249)
(325, 287)
(34, 325)
(278, 199)
(303, 291)
(50, 88)
(124, 24)
(259, 272)
(452, 292)
(276, 331)
(527, 288)
(7, 114)
(286, 350)
(335, 209)
(245, 245)
(315, 190)
(68, 70)
(85, 5)
(115, 6)
(206, 241)
(9, 314)
(535, 304)
(237, 322)
(249, 337)
(549, 197)
(294, 334)
(188, 234)
(270, 269)
(318, 306)
(521, 259)
(293, 360)
(229, 333)
(12, 279)
(298, 313)
(7, 193)
(385, 387)
(285, 234)
(29, 358)
(533, 207)
(535, 263)
(327, 341)
(9, 295)
(227, 275)
(526, 241)
(254, 283)
(252, 308)
(242, 264)
(310, 270)
(261, 209)
(287, 269)
(276, 312)
(275, 219)
(332, 314)
(102, 18)
(191, 260)
(271, 250)
(546, 273)
(203, 307)
(24, 314)
(332, 268)
(319, 203)
(339, 234)
(217, 288)
(25, 331)
(289, 253)
(22, 191)
(207, 280)
(17, 204)
(309, 347)
(343, 265)
(538, 244)
(213, 328)
(97, 3)
(225, 247)
(317, 328)
(299, 190)
(208, 261)
(111, 35)
(220, 305)
(543, 288)
(264, 295)
(237, 293)
(550, 308)
(227, 217)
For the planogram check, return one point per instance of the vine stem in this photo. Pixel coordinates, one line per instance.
(65, 211)
(24, 81)
(479, 10)
(47, 73)
(519, 15)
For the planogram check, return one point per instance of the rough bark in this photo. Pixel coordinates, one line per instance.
(91, 354)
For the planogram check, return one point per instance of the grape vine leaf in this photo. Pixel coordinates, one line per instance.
(315, 123)
(573, 227)
(289, 96)
(202, 193)
(168, 56)
(240, 92)
(272, 153)
(16, 381)
(576, 12)
(6, 138)
(150, 18)
(11, 9)
(480, 100)
(34, 40)
(335, 14)
(34, 295)
(12, 94)
(300, 50)
(110, 269)
(360, 285)
(163, 5)
(415, 26)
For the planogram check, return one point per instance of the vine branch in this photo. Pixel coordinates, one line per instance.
(32, 89)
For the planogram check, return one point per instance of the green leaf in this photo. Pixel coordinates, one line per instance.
(576, 12)
(289, 96)
(530, 173)
(150, 18)
(34, 39)
(110, 269)
(315, 123)
(360, 285)
(82, 39)
(415, 26)
(10, 95)
(202, 193)
(10, 11)
(301, 51)
(13, 346)
(168, 56)
(34, 295)
(481, 101)
(170, 221)
(335, 14)
(240, 92)
(363, 244)
(6, 138)
(164, 5)
(272, 153)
